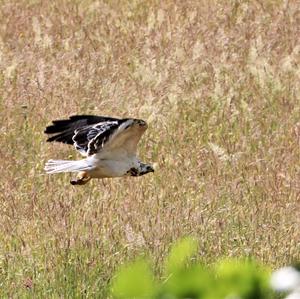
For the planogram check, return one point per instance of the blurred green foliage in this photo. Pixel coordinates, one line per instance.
(185, 278)
(134, 281)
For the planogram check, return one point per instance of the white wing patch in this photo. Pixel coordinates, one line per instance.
(127, 136)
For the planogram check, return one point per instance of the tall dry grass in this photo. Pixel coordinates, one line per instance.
(218, 82)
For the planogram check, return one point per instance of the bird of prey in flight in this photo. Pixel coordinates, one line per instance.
(108, 144)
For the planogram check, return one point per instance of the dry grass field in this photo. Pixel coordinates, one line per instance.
(218, 82)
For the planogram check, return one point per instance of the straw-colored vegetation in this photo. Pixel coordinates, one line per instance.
(218, 82)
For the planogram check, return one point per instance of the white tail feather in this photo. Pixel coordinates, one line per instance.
(57, 166)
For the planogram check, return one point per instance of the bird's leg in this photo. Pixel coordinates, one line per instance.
(81, 179)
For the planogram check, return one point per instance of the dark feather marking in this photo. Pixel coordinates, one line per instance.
(133, 172)
(88, 133)
(64, 129)
(91, 139)
(99, 140)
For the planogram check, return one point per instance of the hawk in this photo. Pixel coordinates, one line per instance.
(108, 144)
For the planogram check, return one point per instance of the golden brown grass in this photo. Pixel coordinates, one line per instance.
(218, 82)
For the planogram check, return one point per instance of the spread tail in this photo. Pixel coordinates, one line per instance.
(57, 166)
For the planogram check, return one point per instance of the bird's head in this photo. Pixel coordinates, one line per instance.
(145, 168)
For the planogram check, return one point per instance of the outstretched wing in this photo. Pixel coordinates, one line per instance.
(122, 137)
(108, 134)
(64, 130)
(89, 139)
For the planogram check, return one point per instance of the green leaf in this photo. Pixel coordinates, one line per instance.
(180, 253)
(193, 282)
(134, 281)
(242, 278)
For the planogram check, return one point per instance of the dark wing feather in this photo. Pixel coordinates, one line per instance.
(121, 137)
(64, 130)
(90, 134)
(90, 139)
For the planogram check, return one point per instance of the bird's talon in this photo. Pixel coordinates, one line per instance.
(82, 178)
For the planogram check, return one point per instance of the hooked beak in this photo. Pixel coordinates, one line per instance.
(150, 169)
